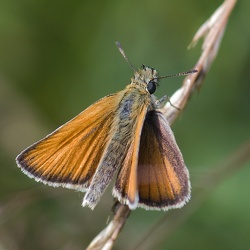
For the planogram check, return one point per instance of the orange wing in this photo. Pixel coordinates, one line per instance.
(69, 156)
(163, 179)
(126, 186)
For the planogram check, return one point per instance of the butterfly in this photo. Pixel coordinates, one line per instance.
(123, 134)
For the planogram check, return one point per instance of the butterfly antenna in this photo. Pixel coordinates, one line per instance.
(123, 54)
(191, 71)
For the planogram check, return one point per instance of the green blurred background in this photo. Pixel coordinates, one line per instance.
(58, 57)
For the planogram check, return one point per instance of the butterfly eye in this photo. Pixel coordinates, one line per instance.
(151, 87)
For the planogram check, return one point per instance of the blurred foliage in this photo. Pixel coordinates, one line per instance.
(57, 57)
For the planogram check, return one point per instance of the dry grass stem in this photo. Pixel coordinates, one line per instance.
(212, 31)
(106, 238)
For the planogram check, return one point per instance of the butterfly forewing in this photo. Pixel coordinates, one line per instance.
(126, 186)
(70, 155)
(163, 179)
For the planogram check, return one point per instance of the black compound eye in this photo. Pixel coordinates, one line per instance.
(151, 87)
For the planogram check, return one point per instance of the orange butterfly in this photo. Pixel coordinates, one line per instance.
(125, 133)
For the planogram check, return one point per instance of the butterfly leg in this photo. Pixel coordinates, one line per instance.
(159, 103)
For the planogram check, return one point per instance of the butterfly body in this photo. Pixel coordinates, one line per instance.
(124, 133)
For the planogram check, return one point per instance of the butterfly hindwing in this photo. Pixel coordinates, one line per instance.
(163, 179)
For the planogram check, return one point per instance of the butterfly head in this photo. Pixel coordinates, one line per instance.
(147, 77)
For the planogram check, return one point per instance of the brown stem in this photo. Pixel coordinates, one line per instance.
(212, 31)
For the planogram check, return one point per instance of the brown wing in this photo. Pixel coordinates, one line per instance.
(163, 179)
(69, 156)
